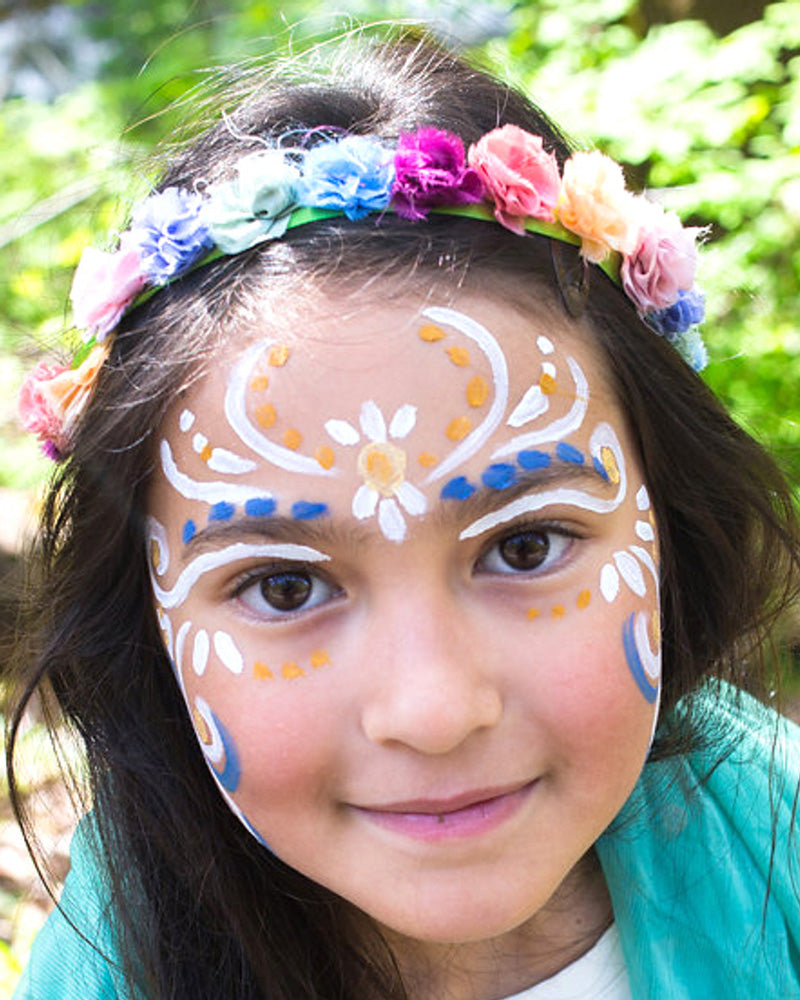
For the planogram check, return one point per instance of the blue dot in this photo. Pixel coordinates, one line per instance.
(567, 453)
(533, 459)
(259, 507)
(499, 476)
(303, 510)
(188, 532)
(221, 511)
(457, 489)
(600, 468)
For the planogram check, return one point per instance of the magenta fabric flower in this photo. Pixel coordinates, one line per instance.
(430, 170)
(663, 263)
(104, 286)
(520, 177)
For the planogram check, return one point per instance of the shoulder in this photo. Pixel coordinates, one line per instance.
(74, 955)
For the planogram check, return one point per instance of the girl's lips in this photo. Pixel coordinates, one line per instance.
(446, 819)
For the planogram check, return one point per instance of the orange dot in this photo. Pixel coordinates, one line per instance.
(266, 415)
(426, 459)
(459, 356)
(431, 333)
(547, 384)
(583, 599)
(261, 671)
(655, 627)
(206, 453)
(201, 727)
(320, 658)
(477, 391)
(259, 383)
(291, 671)
(458, 428)
(278, 355)
(324, 455)
(292, 438)
(558, 611)
(155, 553)
(533, 613)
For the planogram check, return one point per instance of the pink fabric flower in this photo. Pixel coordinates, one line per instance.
(596, 206)
(104, 286)
(520, 177)
(663, 263)
(430, 169)
(53, 397)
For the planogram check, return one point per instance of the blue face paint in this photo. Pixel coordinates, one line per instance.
(568, 453)
(230, 776)
(533, 459)
(499, 476)
(260, 507)
(221, 511)
(303, 510)
(634, 661)
(457, 489)
(188, 532)
(600, 469)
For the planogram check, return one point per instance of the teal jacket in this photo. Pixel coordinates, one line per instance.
(688, 863)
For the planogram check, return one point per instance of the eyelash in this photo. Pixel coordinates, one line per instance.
(321, 590)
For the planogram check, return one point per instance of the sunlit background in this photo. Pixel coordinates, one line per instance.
(699, 99)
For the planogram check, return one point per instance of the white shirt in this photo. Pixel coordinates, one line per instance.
(597, 975)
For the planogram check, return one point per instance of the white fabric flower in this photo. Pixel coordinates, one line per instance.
(382, 465)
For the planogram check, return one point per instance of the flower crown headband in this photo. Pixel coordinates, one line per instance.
(506, 176)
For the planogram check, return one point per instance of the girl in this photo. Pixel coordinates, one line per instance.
(401, 577)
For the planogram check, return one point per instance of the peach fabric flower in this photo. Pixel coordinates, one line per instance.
(596, 206)
(520, 177)
(663, 263)
(103, 287)
(53, 397)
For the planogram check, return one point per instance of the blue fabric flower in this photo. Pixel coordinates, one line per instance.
(353, 175)
(688, 310)
(170, 232)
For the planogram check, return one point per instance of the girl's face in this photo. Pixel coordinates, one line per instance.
(405, 566)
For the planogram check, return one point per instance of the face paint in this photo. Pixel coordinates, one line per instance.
(400, 425)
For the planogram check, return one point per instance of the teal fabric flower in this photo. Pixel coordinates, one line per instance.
(255, 206)
(353, 175)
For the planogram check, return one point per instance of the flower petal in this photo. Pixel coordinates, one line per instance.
(372, 423)
(412, 499)
(342, 432)
(391, 520)
(364, 502)
(403, 421)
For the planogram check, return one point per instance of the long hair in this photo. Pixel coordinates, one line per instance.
(194, 918)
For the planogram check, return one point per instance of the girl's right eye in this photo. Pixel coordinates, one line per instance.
(286, 592)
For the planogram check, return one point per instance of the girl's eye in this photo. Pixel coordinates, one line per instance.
(525, 551)
(283, 593)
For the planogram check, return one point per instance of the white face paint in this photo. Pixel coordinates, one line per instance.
(377, 549)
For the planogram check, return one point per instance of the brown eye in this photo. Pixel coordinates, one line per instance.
(271, 595)
(286, 591)
(526, 550)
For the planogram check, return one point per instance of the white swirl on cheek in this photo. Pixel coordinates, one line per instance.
(193, 489)
(174, 597)
(496, 358)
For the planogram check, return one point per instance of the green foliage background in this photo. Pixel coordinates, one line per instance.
(711, 118)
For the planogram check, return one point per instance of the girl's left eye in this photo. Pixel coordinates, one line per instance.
(286, 592)
(526, 551)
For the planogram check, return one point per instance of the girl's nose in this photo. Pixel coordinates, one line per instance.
(431, 687)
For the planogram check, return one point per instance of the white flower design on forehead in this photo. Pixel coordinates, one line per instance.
(382, 466)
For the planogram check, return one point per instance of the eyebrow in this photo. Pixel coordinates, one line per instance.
(327, 532)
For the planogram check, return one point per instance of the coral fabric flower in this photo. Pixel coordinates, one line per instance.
(663, 263)
(430, 170)
(255, 205)
(596, 206)
(170, 233)
(520, 177)
(53, 397)
(353, 175)
(103, 287)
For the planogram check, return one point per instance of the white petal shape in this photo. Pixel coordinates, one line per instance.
(186, 420)
(403, 421)
(227, 650)
(364, 502)
(391, 520)
(532, 405)
(223, 460)
(545, 345)
(609, 582)
(642, 498)
(631, 572)
(200, 652)
(644, 529)
(372, 423)
(549, 368)
(342, 432)
(412, 499)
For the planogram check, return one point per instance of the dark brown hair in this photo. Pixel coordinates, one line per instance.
(196, 920)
